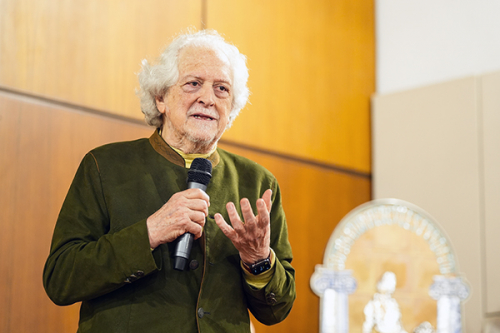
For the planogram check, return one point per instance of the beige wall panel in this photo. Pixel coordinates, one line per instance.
(315, 199)
(40, 149)
(311, 75)
(87, 51)
(490, 88)
(425, 149)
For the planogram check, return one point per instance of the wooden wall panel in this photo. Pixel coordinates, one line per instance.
(41, 146)
(87, 51)
(311, 76)
(315, 199)
(312, 63)
(40, 149)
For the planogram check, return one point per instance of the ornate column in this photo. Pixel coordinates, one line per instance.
(449, 292)
(333, 287)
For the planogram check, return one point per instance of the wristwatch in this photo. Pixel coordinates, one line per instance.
(260, 266)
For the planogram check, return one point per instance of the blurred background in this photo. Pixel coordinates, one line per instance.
(350, 101)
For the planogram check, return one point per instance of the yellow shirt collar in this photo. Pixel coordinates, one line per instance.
(188, 158)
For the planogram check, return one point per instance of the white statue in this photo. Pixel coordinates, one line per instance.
(382, 312)
(424, 327)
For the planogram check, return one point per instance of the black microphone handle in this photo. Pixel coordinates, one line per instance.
(185, 242)
(182, 251)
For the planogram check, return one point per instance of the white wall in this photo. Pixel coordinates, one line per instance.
(427, 41)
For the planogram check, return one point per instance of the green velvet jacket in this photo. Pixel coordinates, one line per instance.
(100, 252)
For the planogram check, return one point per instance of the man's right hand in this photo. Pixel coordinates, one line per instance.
(184, 212)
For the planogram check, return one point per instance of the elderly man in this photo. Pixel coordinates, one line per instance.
(114, 240)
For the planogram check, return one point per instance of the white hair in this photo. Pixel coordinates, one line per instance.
(154, 80)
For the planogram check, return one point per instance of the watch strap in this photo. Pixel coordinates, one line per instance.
(260, 266)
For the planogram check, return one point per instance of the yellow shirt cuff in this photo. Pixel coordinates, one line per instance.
(261, 280)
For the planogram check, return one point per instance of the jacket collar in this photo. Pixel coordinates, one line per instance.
(171, 155)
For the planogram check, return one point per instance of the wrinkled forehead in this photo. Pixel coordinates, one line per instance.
(203, 59)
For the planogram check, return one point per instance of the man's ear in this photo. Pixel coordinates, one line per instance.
(160, 104)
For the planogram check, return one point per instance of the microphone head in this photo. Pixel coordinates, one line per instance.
(200, 171)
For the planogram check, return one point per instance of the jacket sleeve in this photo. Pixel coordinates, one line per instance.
(86, 260)
(271, 304)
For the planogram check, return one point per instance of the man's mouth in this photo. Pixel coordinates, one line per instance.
(203, 117)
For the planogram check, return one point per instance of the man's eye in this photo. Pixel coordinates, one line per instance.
(194, 84)
(222, 88)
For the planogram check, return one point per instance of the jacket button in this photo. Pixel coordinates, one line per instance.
(201, 313)
(194, 264)
(271, 298)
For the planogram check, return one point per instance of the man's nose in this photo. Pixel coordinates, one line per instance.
(206, 95)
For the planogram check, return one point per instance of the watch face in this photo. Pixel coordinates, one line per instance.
(261, 266)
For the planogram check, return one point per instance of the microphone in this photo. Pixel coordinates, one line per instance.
(199, 176)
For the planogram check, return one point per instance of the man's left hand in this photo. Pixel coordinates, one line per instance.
(251, 237)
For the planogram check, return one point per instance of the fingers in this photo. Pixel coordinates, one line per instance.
(253, 226)
(267, 199)
(192, 199)
(264, 205)
(238, 226)
(191, 215)
(184, 212)
(195, 193)
(263, 209)
(226, 228)
(195, 199)
(195, 229)
(248, 217)
(196, 217)
(252, 237)
(197, 206)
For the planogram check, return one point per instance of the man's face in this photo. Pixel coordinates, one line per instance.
(197, 107)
